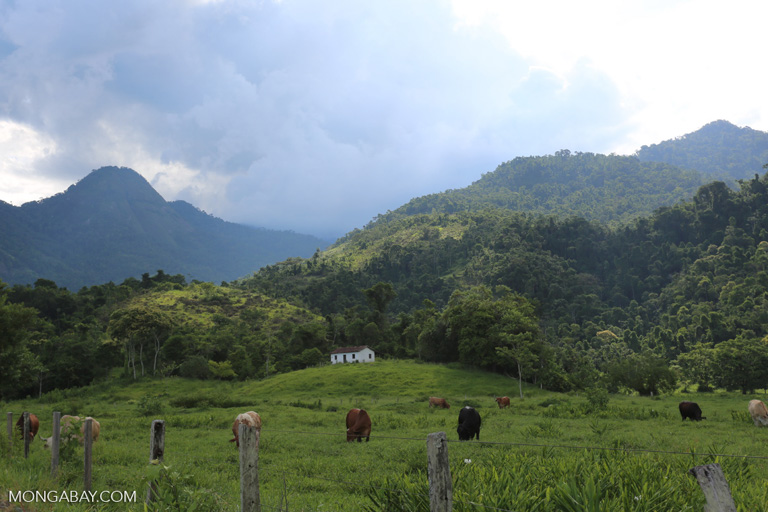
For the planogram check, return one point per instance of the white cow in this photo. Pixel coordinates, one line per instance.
(758, 412)
(67, 430)
(250, 418)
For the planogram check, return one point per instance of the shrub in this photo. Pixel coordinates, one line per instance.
(149, 405)
(597, 398)
(195, 367)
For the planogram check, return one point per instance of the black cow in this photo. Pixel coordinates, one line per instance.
(469, 424)
(691, 410)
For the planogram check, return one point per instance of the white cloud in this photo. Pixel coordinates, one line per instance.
(316, 116)
(23, 149)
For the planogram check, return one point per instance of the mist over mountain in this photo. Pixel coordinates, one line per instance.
(112, 225)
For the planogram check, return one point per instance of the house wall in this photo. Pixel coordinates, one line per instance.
(364, 356)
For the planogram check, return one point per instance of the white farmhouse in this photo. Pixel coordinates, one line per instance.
(361, 354)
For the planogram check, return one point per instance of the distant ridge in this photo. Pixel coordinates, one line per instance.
(112, 225)
(719, 148)
(610, 189)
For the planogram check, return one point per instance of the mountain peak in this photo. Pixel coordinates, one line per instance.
(112, 224)
(116, 182)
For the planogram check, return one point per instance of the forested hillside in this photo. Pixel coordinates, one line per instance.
(610, 189)
(157, 326)
(719, 149)
(674, 296)
(687, 284)
(112, 225)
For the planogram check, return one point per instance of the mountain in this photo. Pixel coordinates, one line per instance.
(718, 148)
(610, 189)
(112, 225)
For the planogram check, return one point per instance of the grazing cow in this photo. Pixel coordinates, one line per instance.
(249, 418)
(503, 401)
(34, 425)
(469, 424)
(691, 410)
(67, 429)
(438, 402)
(758, 412)
(358, 425)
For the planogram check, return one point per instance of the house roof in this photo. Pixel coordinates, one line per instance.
(346, 350)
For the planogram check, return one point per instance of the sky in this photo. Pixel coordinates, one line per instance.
(315, 116)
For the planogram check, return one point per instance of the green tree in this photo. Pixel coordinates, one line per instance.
(222, 370)
(742, 363)
(17, 362)
(140, 326)
(494, 333)
(646, 373)
(698, 366)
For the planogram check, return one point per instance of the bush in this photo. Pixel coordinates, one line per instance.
(150, 405)
(195, 367)
(597, 398)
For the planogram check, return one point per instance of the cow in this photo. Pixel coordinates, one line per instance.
(358, 425)
(250, 419)
(438, 402)
(691, 410)
(68, 432)
(503, 401)
(469, 424)
(34, 426)
(758, 412)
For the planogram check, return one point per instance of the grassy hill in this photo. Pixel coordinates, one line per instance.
(534, 452)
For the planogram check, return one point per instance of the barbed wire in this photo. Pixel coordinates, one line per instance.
(538, 445)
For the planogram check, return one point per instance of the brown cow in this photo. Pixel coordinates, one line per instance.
(249, 418)
(34, 425)
(758, 412)
(358, 425)
(503, 401)
(67, 426)
(438, 402)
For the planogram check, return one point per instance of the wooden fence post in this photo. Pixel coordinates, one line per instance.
(10, 433)
(87, 452)
(716, 490)
(26, 434)
(55, 438)
(439, 473)
(248, 436)
(156, 452)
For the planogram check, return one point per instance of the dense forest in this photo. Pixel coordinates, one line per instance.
(611, 189)
(718, 149)
(562, 302)
(571, 271)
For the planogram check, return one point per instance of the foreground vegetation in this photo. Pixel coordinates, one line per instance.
(548, 451)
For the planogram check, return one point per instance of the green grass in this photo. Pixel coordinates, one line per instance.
(607, 457)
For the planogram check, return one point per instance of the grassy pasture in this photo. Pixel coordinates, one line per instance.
(546, 452)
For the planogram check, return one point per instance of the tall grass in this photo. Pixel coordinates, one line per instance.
(306, 464)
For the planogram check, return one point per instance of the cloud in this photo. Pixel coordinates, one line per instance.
(302, 115)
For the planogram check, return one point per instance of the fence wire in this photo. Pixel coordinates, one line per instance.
(536, 445)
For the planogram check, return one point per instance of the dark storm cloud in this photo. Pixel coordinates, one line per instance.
(311, 116)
